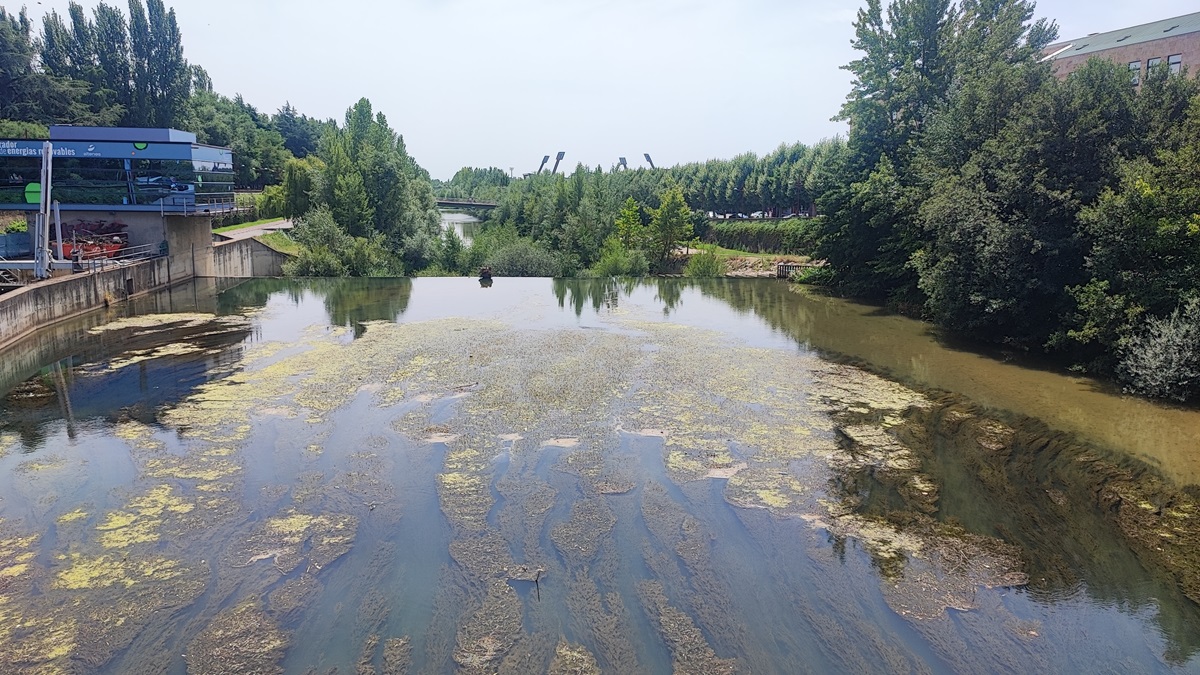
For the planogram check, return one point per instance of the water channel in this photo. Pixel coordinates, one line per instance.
(577, 476)
(464, 225)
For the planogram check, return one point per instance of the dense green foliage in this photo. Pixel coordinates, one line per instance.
(484, 185)
(363, 182)
(329, 251)
(1011, 206)
(134, 70)
(610, 222)
(793, 235)
(706, 263)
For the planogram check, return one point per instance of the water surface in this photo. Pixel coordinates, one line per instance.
(573, 476)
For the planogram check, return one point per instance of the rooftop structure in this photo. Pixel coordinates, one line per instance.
(1173, 43)
(119, 169)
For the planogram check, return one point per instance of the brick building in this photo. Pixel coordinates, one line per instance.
(1174, 43)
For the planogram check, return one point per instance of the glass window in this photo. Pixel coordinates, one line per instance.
(1135, 72)
(1153, 62)
(1175, 62)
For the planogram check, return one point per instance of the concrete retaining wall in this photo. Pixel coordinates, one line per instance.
(191, 255)
(68, 337)
(26, 309)
(245, 259)
(189, 241)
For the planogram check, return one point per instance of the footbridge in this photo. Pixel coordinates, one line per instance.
(465, 204)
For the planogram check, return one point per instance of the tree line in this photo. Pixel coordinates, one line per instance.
(598, 222)
(1009, 206)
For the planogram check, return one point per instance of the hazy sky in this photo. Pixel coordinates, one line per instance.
(490, 83)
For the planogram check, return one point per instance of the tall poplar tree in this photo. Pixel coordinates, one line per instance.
(900, 81)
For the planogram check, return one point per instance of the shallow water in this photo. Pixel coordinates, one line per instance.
(572, 476)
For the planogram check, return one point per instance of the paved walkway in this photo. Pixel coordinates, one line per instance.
(248, 232)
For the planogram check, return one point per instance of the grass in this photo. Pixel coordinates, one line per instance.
(239, 226)
(281, 242)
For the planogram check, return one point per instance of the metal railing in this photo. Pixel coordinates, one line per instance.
(213, 202)
(126, 256)
(7, 278)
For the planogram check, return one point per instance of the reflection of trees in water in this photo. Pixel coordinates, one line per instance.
(607, 292)
(599, 293)
(669, 292)
(1015, 495)
(350, 301)
(355, 301)
(782, 309)
(252, 294)
(1040, 490)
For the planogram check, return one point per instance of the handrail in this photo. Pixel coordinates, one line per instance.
(127, 255)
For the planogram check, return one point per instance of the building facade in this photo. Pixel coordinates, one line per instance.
(117, 192)
(119, 169)
(1170, 43)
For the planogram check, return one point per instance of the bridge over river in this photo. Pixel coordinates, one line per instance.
(465, 204)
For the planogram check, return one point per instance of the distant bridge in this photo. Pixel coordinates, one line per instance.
(465, 204)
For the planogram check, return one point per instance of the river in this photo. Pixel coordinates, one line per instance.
(577, 476)
(464, 225)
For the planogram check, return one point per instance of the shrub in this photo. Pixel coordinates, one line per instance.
(524, 258)
(317, 228)
(815, 276)
(17, 224)
(435, 270)
(704, 264)
(1163, 359)
(367, 257)
(317, 261)
(271, 202)
(618, 261)
(328, 251)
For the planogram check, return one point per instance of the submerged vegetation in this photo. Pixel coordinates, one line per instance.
(634, 483)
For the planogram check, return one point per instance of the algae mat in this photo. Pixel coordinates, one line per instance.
(499, 482)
